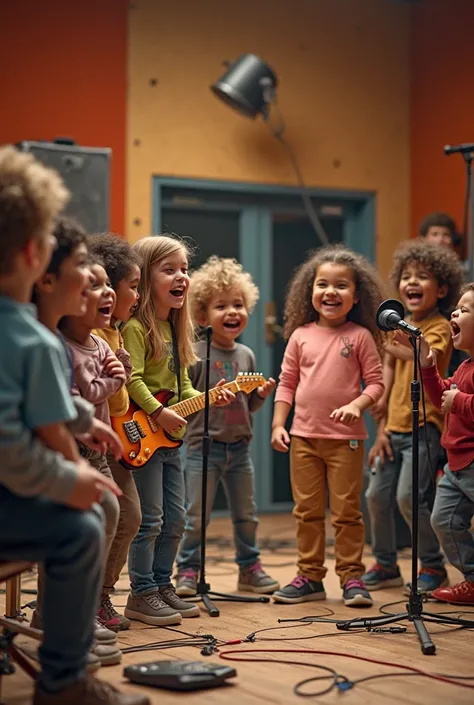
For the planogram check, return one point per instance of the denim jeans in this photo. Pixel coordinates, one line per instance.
(230, 463)
(452, 515)
(160, 486)
(70, 546)
(393, 482)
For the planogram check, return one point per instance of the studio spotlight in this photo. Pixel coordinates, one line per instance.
(248, 86)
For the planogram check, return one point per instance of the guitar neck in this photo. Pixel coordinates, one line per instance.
(190, 406)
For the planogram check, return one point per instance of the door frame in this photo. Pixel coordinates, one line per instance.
(256, 257)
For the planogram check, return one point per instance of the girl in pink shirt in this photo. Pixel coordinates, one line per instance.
(333, 346)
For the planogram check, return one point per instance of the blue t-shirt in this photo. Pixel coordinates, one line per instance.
(34, 389)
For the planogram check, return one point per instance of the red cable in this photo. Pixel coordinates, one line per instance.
(227, 656)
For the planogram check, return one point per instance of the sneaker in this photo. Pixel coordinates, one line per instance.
(355, 594)
(460, 594)
(428, 580)
(89, 691)
(31, 650)
(186, 609)
(186, 582)
(108, 654)
(254, 579)
(151, 609)
(378, 577)
(110, 618)
(101, 634)
(300, 589)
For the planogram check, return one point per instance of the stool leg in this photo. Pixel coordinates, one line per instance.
(12, 601)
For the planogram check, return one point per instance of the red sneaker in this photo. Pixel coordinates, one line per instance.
(460, 594)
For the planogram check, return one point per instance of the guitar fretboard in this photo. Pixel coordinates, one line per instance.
(190, 406)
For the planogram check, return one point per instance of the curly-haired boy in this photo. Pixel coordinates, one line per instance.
(222, 296)
(428, 278)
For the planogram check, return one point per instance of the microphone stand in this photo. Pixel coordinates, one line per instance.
(414, 608)
(203, 587)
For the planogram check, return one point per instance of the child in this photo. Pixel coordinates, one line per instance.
(63, 291)
(122, 265)
(46, 502)
(98, 374)
(440, 229)
(222, 296)
(330, 322)
(428, 279)
(160, 333)
(454, 504)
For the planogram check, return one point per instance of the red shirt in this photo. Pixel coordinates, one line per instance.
(458, 434)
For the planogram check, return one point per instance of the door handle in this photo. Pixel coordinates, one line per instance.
(272, 328)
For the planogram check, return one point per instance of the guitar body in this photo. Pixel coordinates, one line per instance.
(140, 436)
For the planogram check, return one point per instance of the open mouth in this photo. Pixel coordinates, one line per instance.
(232, 325)
(414, 296)
(331, 304)
(178, 292)
(455, 328)
(105, 310)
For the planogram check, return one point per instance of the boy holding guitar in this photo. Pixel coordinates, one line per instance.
(222, 296)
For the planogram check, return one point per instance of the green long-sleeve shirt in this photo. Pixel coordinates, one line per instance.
(150, 375)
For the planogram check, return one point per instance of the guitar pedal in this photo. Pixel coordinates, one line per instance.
(179, 675)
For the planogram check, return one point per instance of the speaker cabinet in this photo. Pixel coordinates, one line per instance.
(86, 173)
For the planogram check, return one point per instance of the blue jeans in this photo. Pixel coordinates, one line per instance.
(230, 463)
(393, 482)
(70, 546)
(160, 486)
(452, 515)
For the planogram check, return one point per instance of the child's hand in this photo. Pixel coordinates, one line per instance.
(280, 439)
(169, 420)
(266, 389)
(426, 356)
(114, 368)
(100, 437)
(379, 410)
(381, 448)
(348, 414)
(225, 395)
(89, 487)
(447, 400)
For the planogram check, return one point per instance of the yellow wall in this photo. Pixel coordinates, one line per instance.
(343, 67)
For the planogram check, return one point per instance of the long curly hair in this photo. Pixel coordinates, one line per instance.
(299, 309)
(152, 250)
(443, 263)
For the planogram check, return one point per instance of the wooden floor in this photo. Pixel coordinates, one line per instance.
(267, 682)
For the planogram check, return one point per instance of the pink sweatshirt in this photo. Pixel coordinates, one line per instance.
(322, 370)
(90, 380)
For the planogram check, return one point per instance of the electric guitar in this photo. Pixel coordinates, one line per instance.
(142, 436)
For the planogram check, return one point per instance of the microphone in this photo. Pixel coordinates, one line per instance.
(459, 148)
(389, 316)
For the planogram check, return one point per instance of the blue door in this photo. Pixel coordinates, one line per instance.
(268, 231)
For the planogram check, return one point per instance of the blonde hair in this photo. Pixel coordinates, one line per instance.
(152, 250)
(31, 196)
(216, 275)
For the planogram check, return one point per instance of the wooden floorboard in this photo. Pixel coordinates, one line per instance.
(273, 683)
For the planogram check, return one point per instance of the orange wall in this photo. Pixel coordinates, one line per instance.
(442, 104)
(64, 73)
(344, 92)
